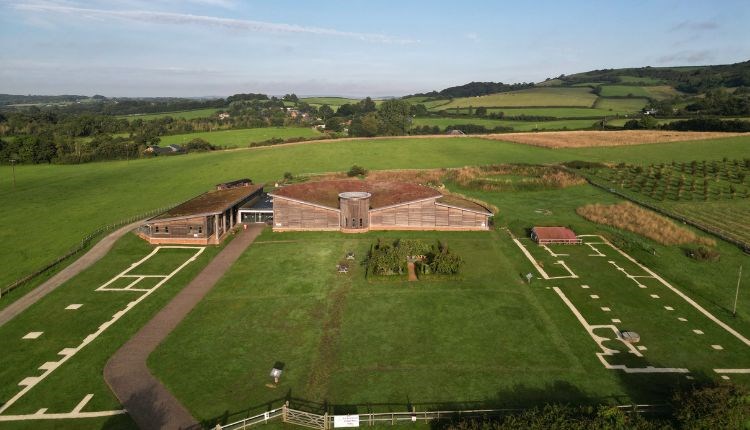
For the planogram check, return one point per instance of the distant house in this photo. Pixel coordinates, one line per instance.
(164, 150)
(224, 115)
(554, 235)
(650, 111)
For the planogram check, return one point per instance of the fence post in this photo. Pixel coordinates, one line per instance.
(284, 411)
(325, 421)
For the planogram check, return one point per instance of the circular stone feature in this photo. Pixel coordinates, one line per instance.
(355, 195)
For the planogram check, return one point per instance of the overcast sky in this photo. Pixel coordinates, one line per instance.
(355, 48)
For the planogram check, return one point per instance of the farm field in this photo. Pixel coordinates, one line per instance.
(185, 114)
(173, 179)
(594, 112)
(581, 139)
(627, 105)
(283, 301)
(639, 80)
(80, 325)
(657, 92)
(714, 193)
(542, 97)
(242, 137)
(571, 124)
(620, 122)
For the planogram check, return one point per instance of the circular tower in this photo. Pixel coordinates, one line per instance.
(355, 210)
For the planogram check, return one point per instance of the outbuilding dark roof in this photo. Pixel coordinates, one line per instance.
(326, 193)
(212, 202)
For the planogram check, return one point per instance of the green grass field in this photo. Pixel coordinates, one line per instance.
(569, 112)
(243, 137)
(100, 193)
(543, 97)
(186, 114)
(621, 105)
(639, 80)
(657, 92)
(65, 386)
(384, 345)
(568, 124)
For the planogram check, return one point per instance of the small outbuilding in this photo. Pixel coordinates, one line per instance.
(554, 235)
(205, 219)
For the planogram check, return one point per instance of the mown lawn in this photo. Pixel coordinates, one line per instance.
(241, 138)
(82, 374)
(53, 207)
(486, 339)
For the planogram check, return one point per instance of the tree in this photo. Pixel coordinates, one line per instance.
(367, 105)
(481, 111)
(366, 125)
(419, 110)
(346, 110)
(325, 112)
(394, 117)
(333, 124)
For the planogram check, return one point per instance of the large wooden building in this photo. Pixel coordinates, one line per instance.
(205, 219)
(358, 206)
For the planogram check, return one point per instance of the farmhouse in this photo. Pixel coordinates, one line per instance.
(358, 206)
(205, 219)
(554, 235)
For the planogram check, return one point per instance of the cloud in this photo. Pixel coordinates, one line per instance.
(207, 21)
(695, 26)
(474, 37)
(691, 57)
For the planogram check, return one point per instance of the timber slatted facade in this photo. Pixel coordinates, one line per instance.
(204, 220)
(354, 206)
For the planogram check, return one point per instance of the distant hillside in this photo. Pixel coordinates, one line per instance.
(691, 79)
(473, 89)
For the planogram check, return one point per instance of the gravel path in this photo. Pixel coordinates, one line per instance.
(85, 261)
(144, 397)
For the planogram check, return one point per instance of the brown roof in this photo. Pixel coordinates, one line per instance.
(458, 202)
(554, 233)
(209, 203)
(326, 193)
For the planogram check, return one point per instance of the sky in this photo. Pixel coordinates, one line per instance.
(193, 48)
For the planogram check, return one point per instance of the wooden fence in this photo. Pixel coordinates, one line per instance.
(82, 245)
(326, 421)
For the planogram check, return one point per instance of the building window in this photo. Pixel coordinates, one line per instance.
(156, 229)
(360, 222)
(200, 229)
(166, 229)
(346, 222)
(354, 222)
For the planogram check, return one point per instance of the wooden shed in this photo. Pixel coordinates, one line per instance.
(554, 235)
(358, 206)
(203, 220)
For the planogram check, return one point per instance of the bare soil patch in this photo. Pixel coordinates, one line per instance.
(583, 139)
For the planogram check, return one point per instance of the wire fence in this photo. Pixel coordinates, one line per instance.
(745, 246)
(82, 245)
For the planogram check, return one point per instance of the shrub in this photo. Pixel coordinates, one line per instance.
(702, 253)
(288, 176)
(356, 171)
(198, 145)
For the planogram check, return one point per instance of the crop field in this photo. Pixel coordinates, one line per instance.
(60, 344)
(186, 114)
(585, 139)
(619, 122)
(376, 345)
(170, 180)
(714, 193)
(542, 97)
(241, 138)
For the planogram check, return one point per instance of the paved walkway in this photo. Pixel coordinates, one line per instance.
(99, 250)
(144, 397)
(412, 272)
